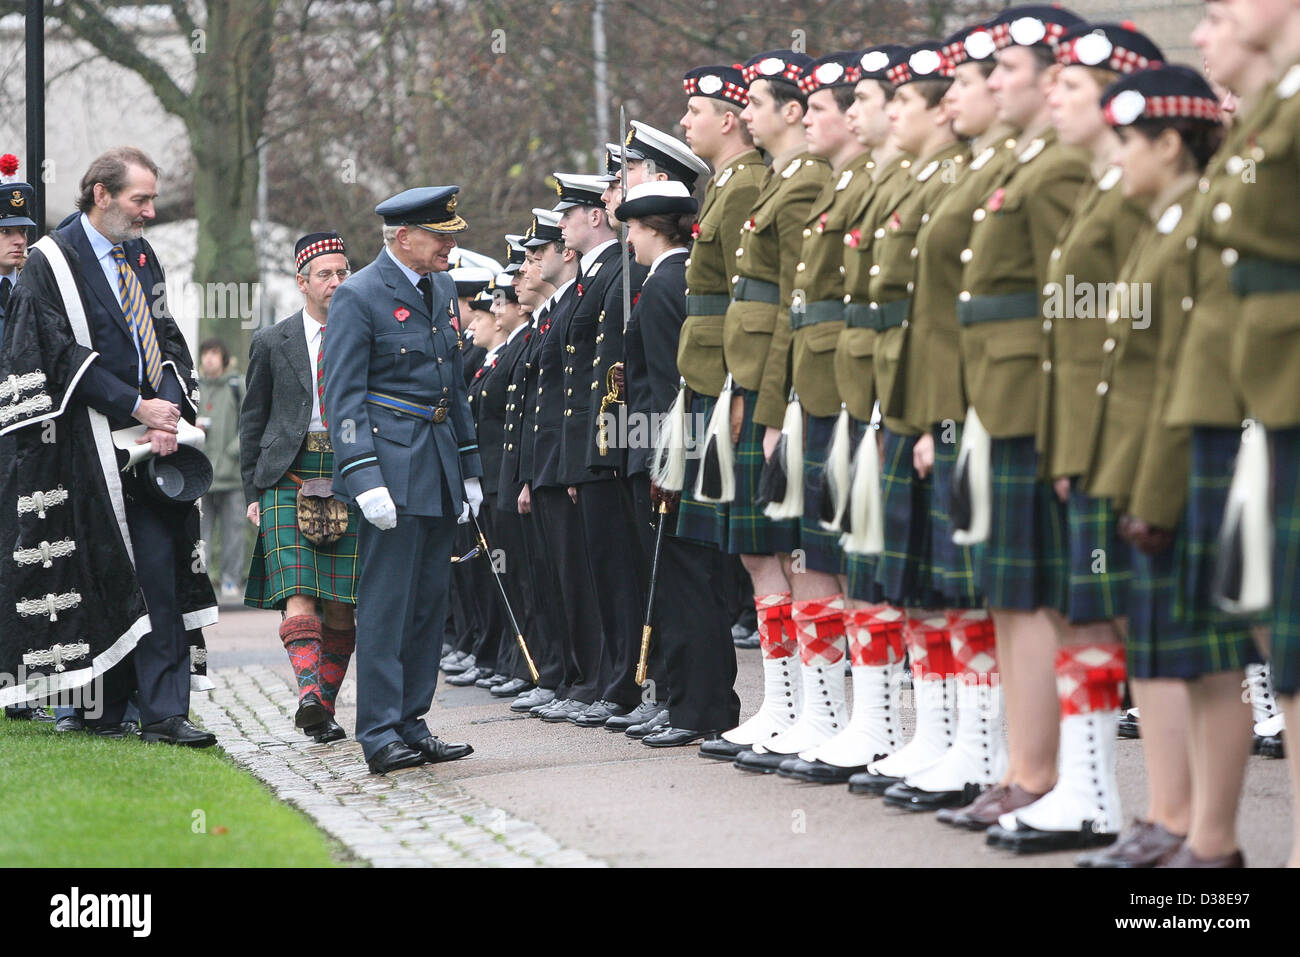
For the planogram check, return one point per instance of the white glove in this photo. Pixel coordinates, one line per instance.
(473, 499)
(378, 508)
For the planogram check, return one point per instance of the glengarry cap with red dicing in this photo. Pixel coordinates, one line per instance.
(924, 61)
(312, 245)
(1112, 46)
(725, 83)
(873, 63)
(1164, 93)
(970, 44)
(1032, 25)
(785, 65)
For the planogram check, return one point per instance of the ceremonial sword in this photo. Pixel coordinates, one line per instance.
(482, 548)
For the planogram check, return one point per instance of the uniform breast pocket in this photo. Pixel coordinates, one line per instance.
(401, 353)
(393, 426)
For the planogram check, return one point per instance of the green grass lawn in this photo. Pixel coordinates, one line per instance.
(72, 800)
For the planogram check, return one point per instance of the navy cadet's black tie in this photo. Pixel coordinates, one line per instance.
(425, 285)
(5, 288)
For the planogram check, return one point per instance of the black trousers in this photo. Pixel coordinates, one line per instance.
(620, 576)
(516, 577)
(691, 626)
(546, 639)
(159, 667)
(484, 599)
(464, 613)
(581, 640)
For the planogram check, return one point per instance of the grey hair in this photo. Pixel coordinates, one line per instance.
(390, 234)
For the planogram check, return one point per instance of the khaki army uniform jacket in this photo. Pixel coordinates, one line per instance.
(1256, 219)
(1081, 282)
(854, 352)
(892, 281)
(932, 360)
(728, 199)
(756, 330)
(817, 308)
(1135, 458)
(999, 306)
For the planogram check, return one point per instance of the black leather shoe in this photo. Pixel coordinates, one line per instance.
(113, 731)
(469, 676)
(638, 715)
(325, 732)
(596, 715)
(760, 763)
(393, 757)
(817, 772)
(676, 737)
(492, 680)
(537, 698)
(177, 730)
(542, 707)
(436, 751)
(455, 666)
(310, 712)
(1128, 726)
(564, 711)
(28, 714)
(508, 689)
(1027, 840)
(748, 641)
(864, 782)
(69, 722)
(1271, 746)
(656, 722)
(722, 749)
(914, 799)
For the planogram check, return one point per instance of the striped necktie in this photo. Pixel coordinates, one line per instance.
(320, 375)
(136, 309)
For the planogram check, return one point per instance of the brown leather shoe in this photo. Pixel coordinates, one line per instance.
(1182, 856)
(984, 811)
(1141, 845)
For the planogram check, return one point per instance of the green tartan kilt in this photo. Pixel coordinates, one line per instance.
(952, 566)
(284, 563)
(904, 566)
(821, 548)
(749, 531)
(1023, 564)
(699, 521)
(1099, 573)
(1284, 652)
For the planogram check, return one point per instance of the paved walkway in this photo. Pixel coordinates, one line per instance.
(406, 819)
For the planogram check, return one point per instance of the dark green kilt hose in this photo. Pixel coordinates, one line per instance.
(1099, 572)
(699, 521)
(903, 569)
(952, 566)
(285, 563)
(821, 549)
(1284, 650)
(1023, 564)
(1175, 631)
(749, 531)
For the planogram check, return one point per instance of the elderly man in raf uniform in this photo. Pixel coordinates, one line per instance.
(406, 453)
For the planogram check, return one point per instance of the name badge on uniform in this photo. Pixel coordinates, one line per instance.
(980, 161)
(845, 177)
(792, 168)
(726, 175)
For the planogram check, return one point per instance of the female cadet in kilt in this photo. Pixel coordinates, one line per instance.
(283, 443)
(1257, 222)
(1138, 464)
(1089, 251)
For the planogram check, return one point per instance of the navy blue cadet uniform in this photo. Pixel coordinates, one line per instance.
(399, 418)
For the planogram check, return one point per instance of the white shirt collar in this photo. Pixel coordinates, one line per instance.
(310, 327)
(410, 273)
(664, 255)
(515, 331)
(559, 293)
(591, 255)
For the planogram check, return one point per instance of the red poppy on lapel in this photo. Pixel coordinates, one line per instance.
(401, 314)
(895, 224)
(821, 222)
(580, 289)
(852, 238)
(142, 260)
(635, 298)
(695, 230)
(995, 201)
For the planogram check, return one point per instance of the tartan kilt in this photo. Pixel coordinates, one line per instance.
(821, 548)
(952, 566)
(284, 563)
(903, 569)
(1213, 455)
(1284, 652)
(749, 531)
(1023, 564)
(699, 521)
(1160, 644)
(1096, 595)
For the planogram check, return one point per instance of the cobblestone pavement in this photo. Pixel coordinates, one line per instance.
(410, 818)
